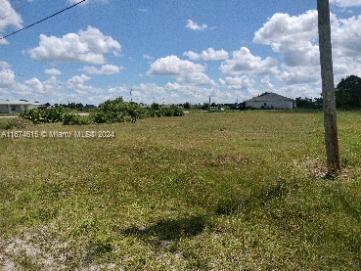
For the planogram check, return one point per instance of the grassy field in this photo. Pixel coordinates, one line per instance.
(209, 191)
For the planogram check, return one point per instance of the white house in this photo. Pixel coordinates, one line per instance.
(13, 107)
(269, 100)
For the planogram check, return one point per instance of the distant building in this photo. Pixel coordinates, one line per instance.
(269, 100)
(13, 107)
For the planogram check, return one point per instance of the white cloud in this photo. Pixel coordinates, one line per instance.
(4, 65)
(241, 83)
(78, 84)
(52, 72)
(207, 55)
(173, 65)
(103, 70)
(295, 39)
(89, 1)
(7, 76)
(148, 57)
(347, 37)
(35, 84)
(293, 36)
(49, 90)
(244, 62)
(8, 17)
(185, 71)
(194, 26)
(89, 46)
(346, 3)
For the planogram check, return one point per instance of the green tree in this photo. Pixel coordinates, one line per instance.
(348, 93)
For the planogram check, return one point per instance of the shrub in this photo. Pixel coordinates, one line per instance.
(172, 111)
(44, 115)
(108, 112)
(118, 111)
(73, 119)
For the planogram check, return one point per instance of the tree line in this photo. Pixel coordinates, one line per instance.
(348, 96)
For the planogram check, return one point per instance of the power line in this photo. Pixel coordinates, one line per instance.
(41, 20)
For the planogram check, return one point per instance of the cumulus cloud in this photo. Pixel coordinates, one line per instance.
(207, 55)
(52, 72)
(103, 70)
(35, 84)
(8, 17)
(244, 62)
(242, 82)
(7, 76)
(78, 83)
(185, 71)
(89, 46)
(49, 90)
(295, 38)
(173, 65)
(194, 26)
(346, 3)
(11, 88)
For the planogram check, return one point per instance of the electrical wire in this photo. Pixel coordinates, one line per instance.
(41, 20)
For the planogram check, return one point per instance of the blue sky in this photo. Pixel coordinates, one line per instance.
(104, 48)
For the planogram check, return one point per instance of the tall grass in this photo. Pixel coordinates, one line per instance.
(221, 191)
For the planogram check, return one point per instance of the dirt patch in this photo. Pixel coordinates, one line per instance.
(33, 250)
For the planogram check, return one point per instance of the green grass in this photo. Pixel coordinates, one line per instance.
(220, 191)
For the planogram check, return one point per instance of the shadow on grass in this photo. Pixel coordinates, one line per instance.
(170, 229)
(245, 203)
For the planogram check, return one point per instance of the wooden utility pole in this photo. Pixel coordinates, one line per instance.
(328, 87)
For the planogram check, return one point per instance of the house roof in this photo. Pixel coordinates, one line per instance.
(2, 102)
(269, 97)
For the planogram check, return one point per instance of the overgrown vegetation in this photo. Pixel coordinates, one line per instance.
(108, 112)
(222, 191)
(13, 123)
(75, 119)
(44, 115)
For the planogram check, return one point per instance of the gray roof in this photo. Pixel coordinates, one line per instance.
(269, 97)
(2, 102)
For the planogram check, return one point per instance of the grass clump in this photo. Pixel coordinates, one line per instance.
(13, 123)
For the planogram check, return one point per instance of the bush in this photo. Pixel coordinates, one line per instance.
(44, 115)
(73, 119)
(118, 111)
(172, 111)
(108, 112)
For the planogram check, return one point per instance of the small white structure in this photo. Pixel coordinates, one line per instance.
(13, 107)
(269, 100)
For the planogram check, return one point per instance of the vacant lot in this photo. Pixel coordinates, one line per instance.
(209, 191)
